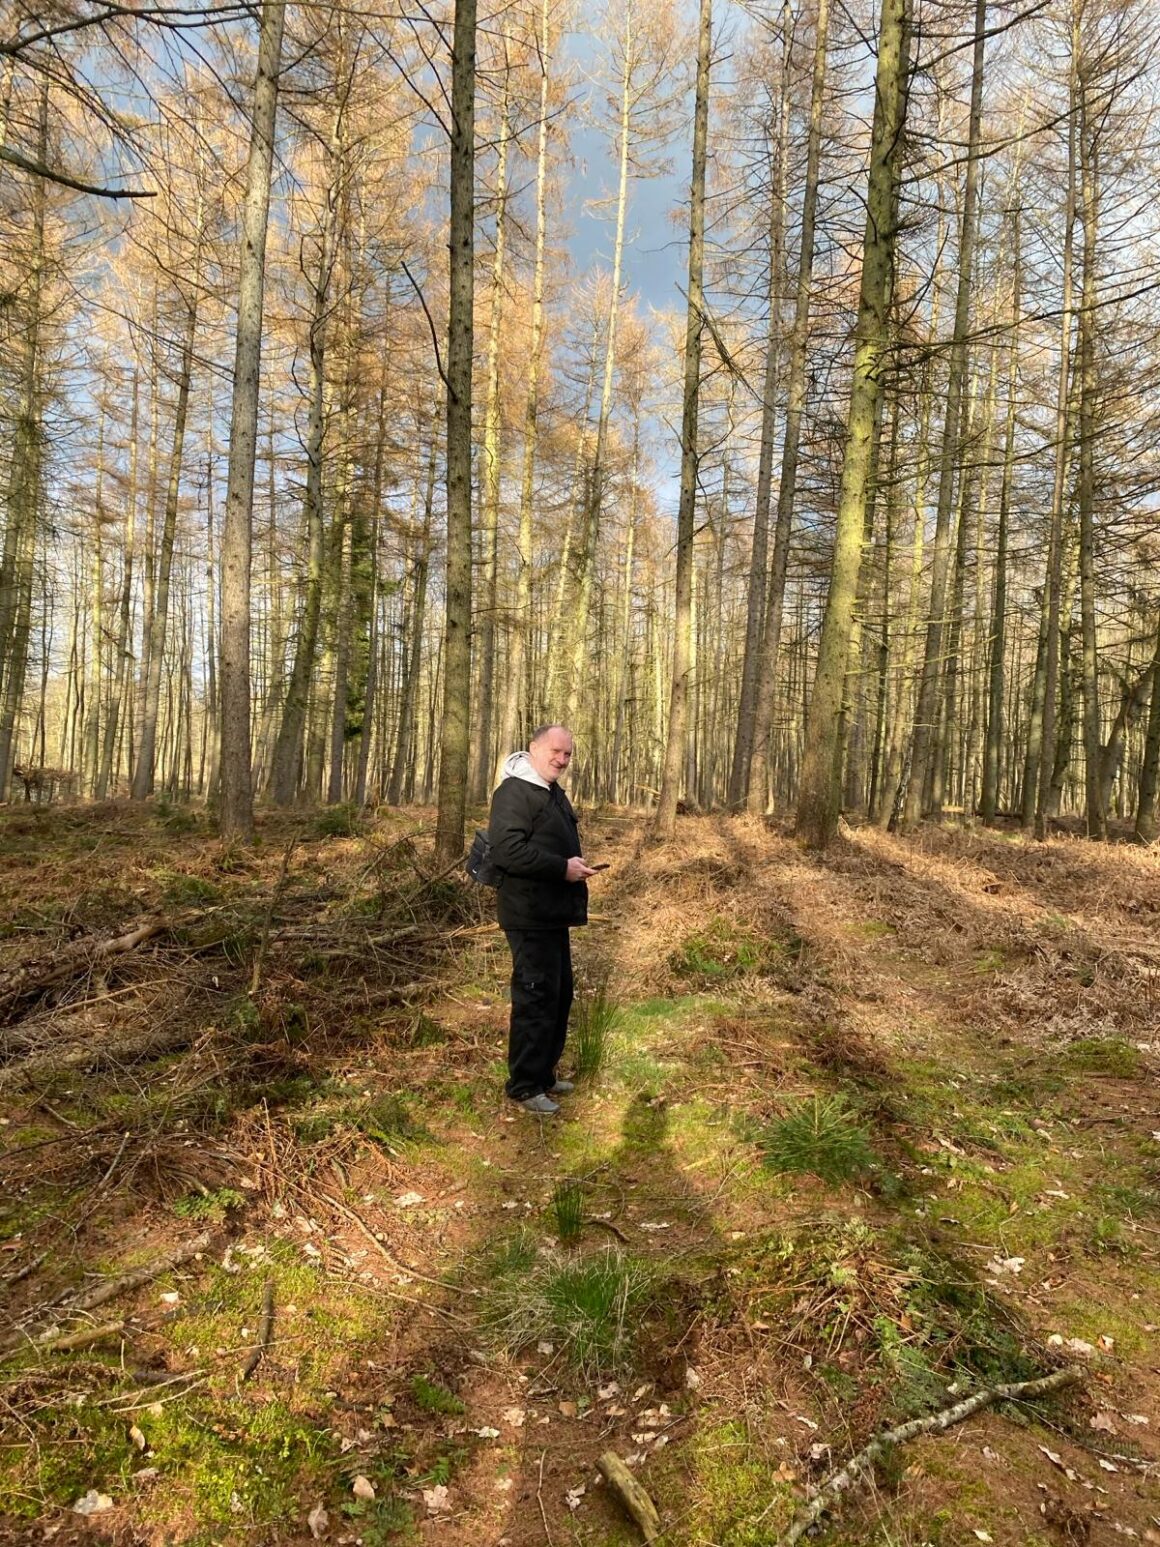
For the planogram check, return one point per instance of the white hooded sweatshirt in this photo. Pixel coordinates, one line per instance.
(519, 766)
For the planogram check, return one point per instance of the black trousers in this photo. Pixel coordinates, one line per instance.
(541, 1000)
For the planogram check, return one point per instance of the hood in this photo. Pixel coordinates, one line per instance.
(519, 766)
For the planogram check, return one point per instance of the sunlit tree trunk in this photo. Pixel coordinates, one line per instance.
(286, 761)
(675, 750)
(1096, 814)
(756, 778)
(819, 796)
(455, 732)
(759, 553)
(485, 706)
(924, 751)
(237, 807)
(522, 616)
(23, 494)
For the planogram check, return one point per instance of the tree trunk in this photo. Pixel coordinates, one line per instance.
(1052, 582)
(485, 709)
(23, 492)
(996, 680)
(454, 738)
(286, 762)
(925, 745)
(759, 553)
(144, 772)
(819, 795)
(756, 777)
(1150, 767)
(1096, 814)
(675, 750)
(237, 804)
(522, 618)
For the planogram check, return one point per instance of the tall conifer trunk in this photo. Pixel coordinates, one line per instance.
(819, 795)
(455, 731)
(237, 803)
(675, 750)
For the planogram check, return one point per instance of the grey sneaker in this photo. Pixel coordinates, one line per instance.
(563, 1088)
(542, 1106)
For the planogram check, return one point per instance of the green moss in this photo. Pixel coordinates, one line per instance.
(874, 929)
(181, 890)
(1103, 1055)
(721, 952)
(737, 1497)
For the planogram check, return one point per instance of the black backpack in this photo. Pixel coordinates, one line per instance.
(479, 864)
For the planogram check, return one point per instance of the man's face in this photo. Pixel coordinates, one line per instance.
(551, 754)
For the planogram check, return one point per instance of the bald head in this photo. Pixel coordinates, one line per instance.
(550, 751)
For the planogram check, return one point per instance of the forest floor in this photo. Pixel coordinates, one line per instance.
(869, 1132)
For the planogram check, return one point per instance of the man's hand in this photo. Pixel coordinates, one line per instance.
(577, 870)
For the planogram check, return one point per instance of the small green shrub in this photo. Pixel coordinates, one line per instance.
(388, 1119)
(431, 1397)
(425, 1032)
(568, 1210)
(183, 890)
(213, 1206)
(341, 821)
(594, 1020)
(822, 1137)
(246, 1018)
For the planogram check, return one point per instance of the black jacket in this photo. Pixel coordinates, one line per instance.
(533, 835)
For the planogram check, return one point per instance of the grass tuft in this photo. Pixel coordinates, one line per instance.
(590, 1308)
(568, 1210)
(822, 1137)
(594, 1020)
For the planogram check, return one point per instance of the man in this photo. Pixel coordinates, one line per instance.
(536, 845)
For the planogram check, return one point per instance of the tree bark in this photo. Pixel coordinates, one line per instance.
(925, 744)
(237, 802)
(819, 795)
(675, 750)
(756, 776)
(455, 731)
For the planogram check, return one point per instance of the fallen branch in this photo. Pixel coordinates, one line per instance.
(34, 977)
(540, 1499)
(110, 1288)
(606, 1224)
(275, 895)
(265, 1331)
(934, 1423)
(630, 1493)
(82, 1339)
(86, 1057)
(141, 1395)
